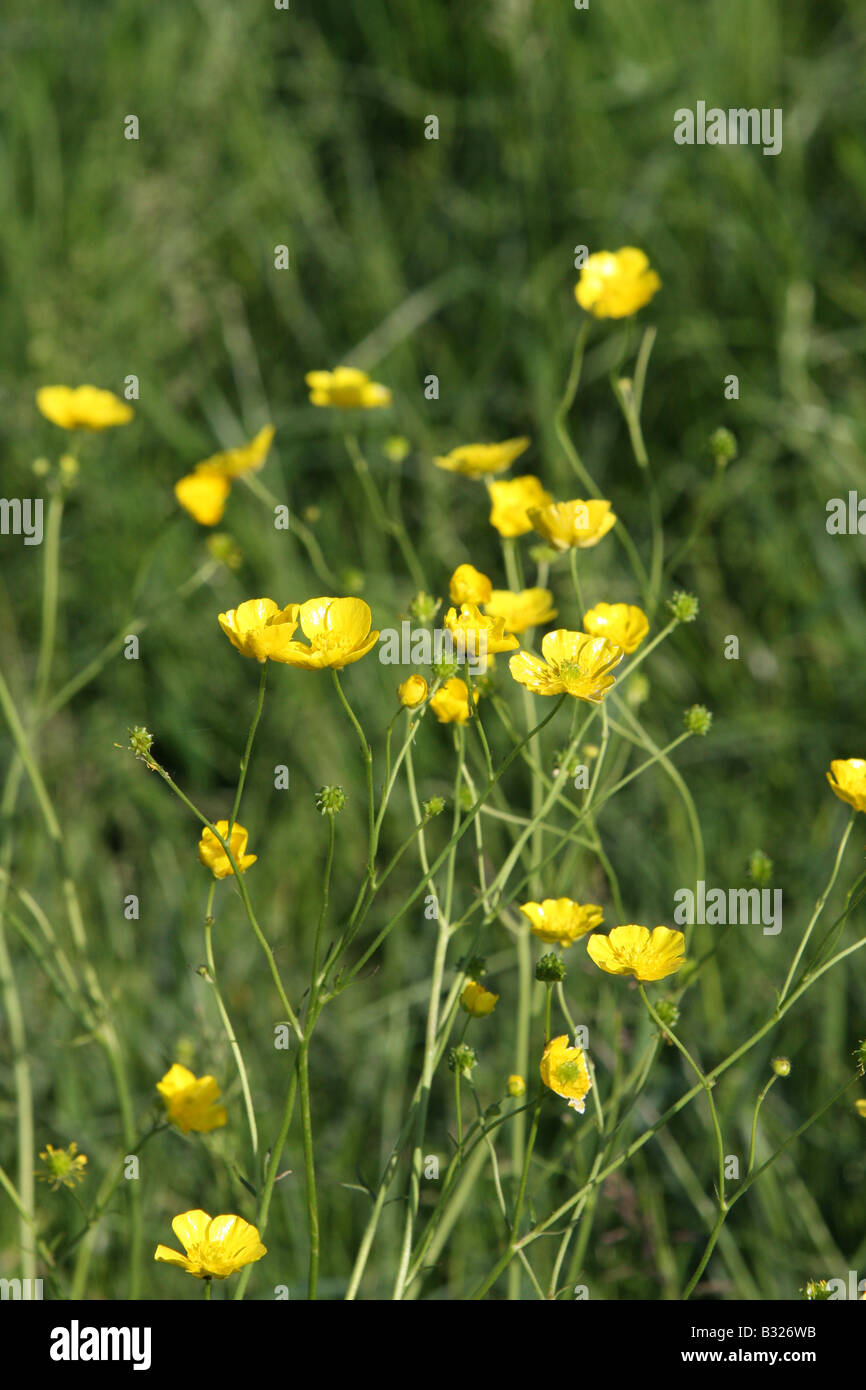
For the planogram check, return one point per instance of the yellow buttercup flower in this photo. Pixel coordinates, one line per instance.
(348, 388)
(615, 284)
(469, 585)
(260, 628)
(574, 664)
(477, 460)
(214, 857)
(82, 407)
(637, 951)
(204, 492)
(564, 1070)
(204, 495)
(573, 524)
(860, 1107)
(515, 1086)
(478, 1001)
(512, 499)
(249, 458)
(478, 635)
(847, 777)
(560, 921)
(622, 623)
(190, 1101)
(412, 692)
(529, 608)
(215, 1246)
(63, 1167)
(338, 632)
(450, 704)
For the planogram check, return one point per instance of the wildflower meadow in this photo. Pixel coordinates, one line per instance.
(432, 747)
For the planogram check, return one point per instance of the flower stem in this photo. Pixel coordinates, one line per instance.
(241, 886)
(231, 1036)
(367, 755)
(245, 761)
(309, 1163)
(758, 1103)
(819, 908)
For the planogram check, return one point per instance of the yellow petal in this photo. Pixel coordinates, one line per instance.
(203, 495)
(191, 1227)
(177, 1078)
(171, 1257)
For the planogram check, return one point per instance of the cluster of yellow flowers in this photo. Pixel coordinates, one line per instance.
(338, 632)
(628, 950)
(214, 1247)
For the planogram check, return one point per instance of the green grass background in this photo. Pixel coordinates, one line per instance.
(455, 257)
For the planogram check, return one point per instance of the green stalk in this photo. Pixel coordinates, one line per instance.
(443, 936)
(309, 1164)
(107, 1035)
(542, 1226)
(367, 755)
(819, 907)
(758, 1103)
(667, 1031)
(392, 526)
(242, 889)
(229, 1031)
(245, 760)
(567, 443)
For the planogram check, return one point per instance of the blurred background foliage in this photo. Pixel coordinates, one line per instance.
(410, 256)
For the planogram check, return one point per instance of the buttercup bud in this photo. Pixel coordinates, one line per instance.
(698, 719)
(424, 608)
(445, 670)
(550, 969)
(684, 607)
(478, 1001)
(668, 1013)
(638, 690)
(516, 1086)
(412, 692)
(330, 800)
(781, 1066)
(352, 580)
(760, 867)
(462, 1058)
(723, 447)
(141, 741)
(224, 548)
(396, 448)
(543, 554)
